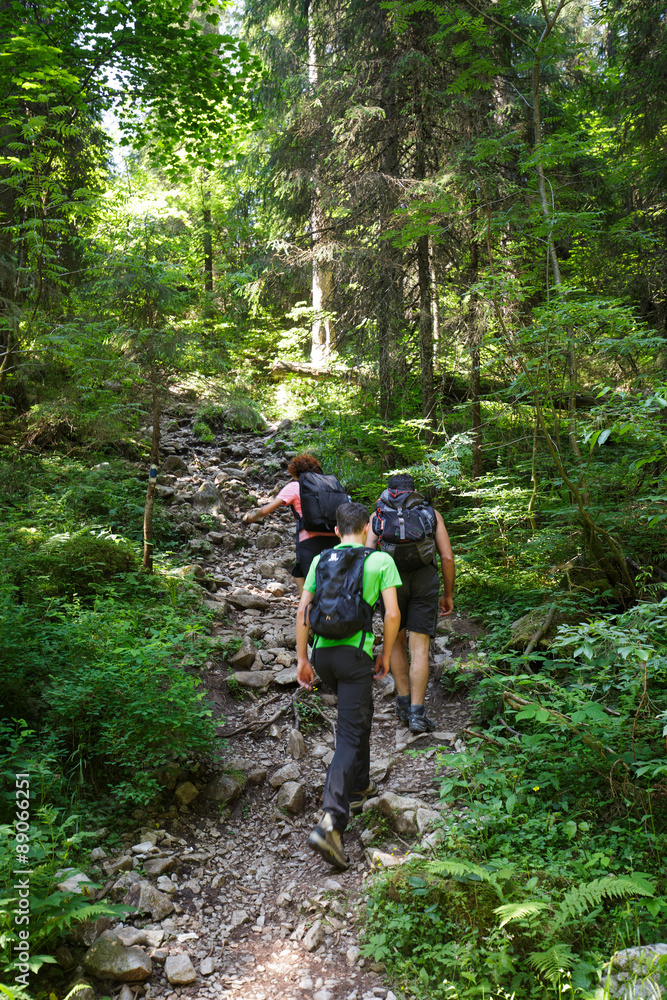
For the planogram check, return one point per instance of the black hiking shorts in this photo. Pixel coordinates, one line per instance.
(418, 599)
(308, 549)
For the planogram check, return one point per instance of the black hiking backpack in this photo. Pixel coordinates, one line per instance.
(321, 496)
(405, 526)
(338, 609)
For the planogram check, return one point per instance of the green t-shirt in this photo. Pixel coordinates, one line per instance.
(379, 573)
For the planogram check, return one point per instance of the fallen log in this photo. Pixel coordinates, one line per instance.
(282, 369)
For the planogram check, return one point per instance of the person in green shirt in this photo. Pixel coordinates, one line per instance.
(346, 666)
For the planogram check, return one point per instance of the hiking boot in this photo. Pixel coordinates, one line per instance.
(420, 723)
(403, 714)
(357, 799)
(329, 843)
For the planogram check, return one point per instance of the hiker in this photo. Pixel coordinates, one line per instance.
(341, 590)
(313, 498)
(411, 531)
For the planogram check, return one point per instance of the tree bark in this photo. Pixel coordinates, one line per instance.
(426, 338)
(322, 332)
(152, 480)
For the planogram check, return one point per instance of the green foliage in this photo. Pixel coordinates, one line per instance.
(310, 713)
(236, 690)
(53, 838)
(91, 648)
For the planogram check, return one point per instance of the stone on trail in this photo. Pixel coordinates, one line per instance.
(268, 540)
(224, 788)
(186, 793)
(285, 676)
(266, 570)
(179, 970)
(206, 494)
(207, 967)
(174, 464)
(314, 936)
(199, 546)
(74, 883)
(145, 898)
(243, 599)
(108, 958)
(380, 768)
(276, 589)
(288, 772)
(122, 864)
(296, 745)
(426, 818)
(257, 679)
(220, 609)
(245, 655)
(291, 797)
(158, 866)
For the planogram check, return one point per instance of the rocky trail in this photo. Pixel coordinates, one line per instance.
(229, 901)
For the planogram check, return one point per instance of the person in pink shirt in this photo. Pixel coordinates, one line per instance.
(309, 543)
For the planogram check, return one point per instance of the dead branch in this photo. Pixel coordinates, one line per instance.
(482, 736)
(282, 369)
(541, 631)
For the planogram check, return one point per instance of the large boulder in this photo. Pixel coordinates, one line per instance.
(145, 898)
(245, 656)
(635, 973)
(179, 970)
(244, 599)
(224, 788)
(257, 679)
(108, 958)
(268, 540)
(291, 797)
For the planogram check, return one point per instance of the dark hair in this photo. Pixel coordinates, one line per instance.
(351, 518)
(303, 463)
(401, 481)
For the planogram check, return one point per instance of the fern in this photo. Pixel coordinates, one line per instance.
(466, 870)
(584, 897)
(519, 911)
(552, 963)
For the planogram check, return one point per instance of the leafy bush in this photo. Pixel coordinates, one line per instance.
(79, 563)
(552, 854)
(53, 837)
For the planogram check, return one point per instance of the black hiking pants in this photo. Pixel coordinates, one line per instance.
(348, 671)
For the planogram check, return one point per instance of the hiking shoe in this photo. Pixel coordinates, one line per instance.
(329, 843)
(403, 714)
(357, 799)
(420, 723)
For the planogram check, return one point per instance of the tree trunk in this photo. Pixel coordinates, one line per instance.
(321, 333)
(435, 309)
(426, 338)
(152, 480)
(547, 212)
(208, 245)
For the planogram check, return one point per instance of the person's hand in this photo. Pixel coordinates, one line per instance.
(249, 518)
(381, 666)
(446, 605)
(305, 673)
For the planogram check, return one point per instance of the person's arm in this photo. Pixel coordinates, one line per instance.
(371, 537)
(259, 513)
(444, 548)
(304, 671)
(392, 621)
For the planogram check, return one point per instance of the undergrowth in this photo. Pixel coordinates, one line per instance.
(553, 853)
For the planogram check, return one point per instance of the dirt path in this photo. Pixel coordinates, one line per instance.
(259, 914)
